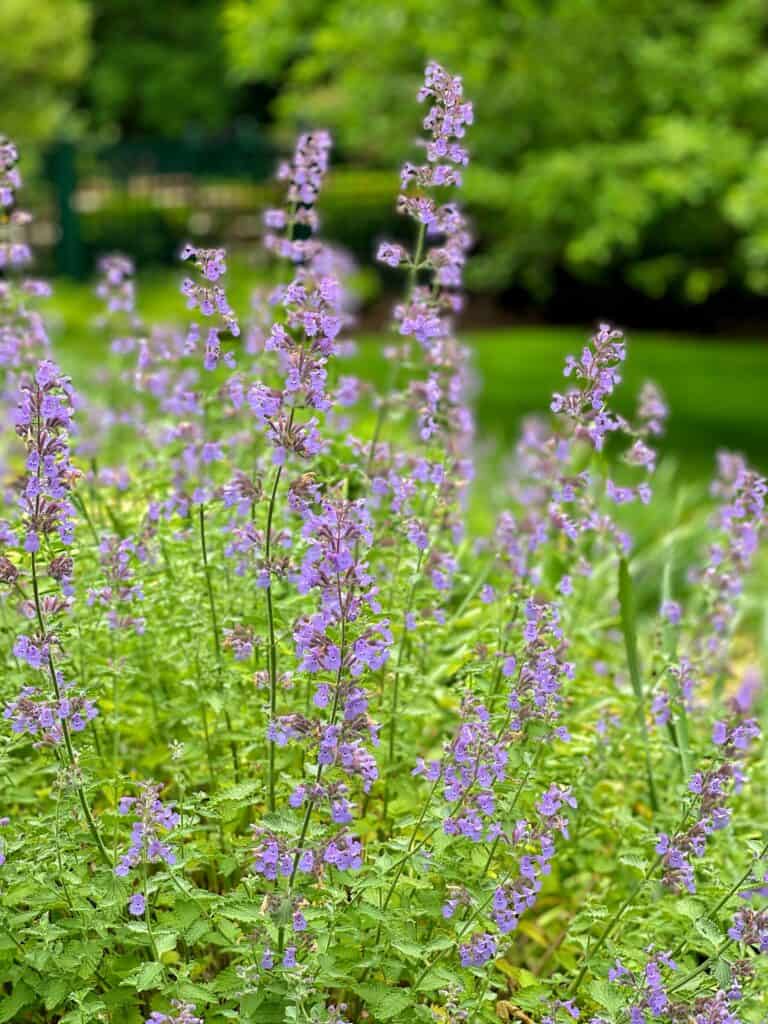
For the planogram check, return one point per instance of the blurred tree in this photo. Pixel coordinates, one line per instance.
(43, 52)
(159, 68)
(614, 139)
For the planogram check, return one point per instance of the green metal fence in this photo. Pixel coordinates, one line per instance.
(147, 196)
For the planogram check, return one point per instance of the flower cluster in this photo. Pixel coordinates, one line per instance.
(210, 298)
(535, 690)
(273, 857)
(43, 419)
(750, 927)
(37, 715)
(650, 989)
(304, 175)
(312, 316)
(10, 179)
(336, 642)
(513, 897)
(479, 950)
(116, 286)
(740, 520)
(711, 789)
(14, 252)
(121, 591)
(598, 374)
(152, 818)
(473, 763)
(183, 1013)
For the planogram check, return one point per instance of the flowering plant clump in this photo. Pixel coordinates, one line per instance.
(313, 715)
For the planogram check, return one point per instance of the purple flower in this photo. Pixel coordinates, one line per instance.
(43, 420)
(712, 788)
(478, 951)
(183, 1013)
(136, 904)
(153, 817)
(751, 928)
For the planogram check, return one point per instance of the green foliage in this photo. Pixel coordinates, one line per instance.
(44, 49)
(158, 68)
(620, 141)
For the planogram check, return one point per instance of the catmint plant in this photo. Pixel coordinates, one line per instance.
(290, 731)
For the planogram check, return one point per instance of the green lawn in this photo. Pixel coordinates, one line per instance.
(716, 389)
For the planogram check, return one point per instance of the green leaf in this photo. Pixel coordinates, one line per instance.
(722, 971)
(392, 1004)
(605, 994)
(708, 930)
(147, 976)
(634, 860)
(412, 950)
(249, 913)
(9, 1007)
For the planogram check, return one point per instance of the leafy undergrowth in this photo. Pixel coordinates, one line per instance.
(285, 741)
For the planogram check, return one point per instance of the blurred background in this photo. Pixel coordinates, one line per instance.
(620, 167)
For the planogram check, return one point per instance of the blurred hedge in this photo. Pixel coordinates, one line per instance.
(357, 209)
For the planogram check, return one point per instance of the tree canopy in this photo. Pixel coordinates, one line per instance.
(628, 138)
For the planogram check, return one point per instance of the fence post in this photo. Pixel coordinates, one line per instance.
(63, 175)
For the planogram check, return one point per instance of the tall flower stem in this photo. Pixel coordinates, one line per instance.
(479, 910)
(398, 668)
(318, 773)
(383, 403)
(272, 659)
(272, 647)
(65, 726)
(216, 641)
(147, 916)
(722, 902)
(608, 930)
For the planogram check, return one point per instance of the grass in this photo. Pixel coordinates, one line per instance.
(715, 389)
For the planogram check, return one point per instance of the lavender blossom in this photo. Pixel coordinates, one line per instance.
(43, 420)
(711, 789)
(153, 817)
(183, 1013)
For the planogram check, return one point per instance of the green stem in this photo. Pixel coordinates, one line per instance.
(398, 666)
(404, 860)
(702, 966)
(65, 726)
(272, 659)
(629, 629)
(606, 933)
(216, 641)
(147, 917)
(467, 925)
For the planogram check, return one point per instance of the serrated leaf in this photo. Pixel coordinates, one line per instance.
(392, 1004)
(634, 860)
(248, 913)
(606, 995)
(722, 971)
(238, 793)
(708, 930)
(147, 976)
(437, 977)
(165, 941)
(412, 950)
